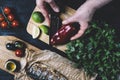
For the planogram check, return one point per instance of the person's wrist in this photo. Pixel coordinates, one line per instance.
(87, 10)
(94, 4)
(89, 5)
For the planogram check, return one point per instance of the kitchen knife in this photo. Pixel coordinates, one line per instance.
(56, 22)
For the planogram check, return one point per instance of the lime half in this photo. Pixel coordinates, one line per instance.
(38, 17)
(44, 29)
(35, 32)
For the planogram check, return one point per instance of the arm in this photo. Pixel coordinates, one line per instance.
(84, 14)
(96, 4)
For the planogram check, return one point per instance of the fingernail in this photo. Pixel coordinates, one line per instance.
(57, 10)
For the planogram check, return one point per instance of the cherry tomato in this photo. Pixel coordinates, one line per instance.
(19, 53)
(1, 17)
(19, 45)
(7, 10)
(10, 17)
(10, 46)
(15, 23)
(4, 24)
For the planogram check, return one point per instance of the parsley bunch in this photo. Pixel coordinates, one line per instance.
(98, 51)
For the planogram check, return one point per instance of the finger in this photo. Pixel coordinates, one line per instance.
(44, 11)
(54, 6)
(83, 28)
(79, 34)
(69, 20)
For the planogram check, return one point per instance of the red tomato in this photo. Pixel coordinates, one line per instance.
(10, 17)
(4, 24)
(7, 10)
(1, 17)
(19, 53)
(15, 23)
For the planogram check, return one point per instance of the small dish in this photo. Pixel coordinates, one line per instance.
(10, 65)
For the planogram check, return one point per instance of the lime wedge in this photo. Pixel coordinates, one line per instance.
(44, 29)
(35, 32)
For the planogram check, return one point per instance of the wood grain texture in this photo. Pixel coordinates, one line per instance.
(45, 38)
(6, 54)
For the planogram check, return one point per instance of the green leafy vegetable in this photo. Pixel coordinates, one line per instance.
(98, 51)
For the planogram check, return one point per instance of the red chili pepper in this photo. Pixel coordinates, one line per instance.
(64, 34)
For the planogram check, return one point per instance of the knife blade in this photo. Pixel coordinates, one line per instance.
(55, 24)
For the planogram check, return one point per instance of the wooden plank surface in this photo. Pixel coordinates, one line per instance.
(6, 54)
(43, 37)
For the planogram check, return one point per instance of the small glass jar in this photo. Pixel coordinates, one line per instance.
(12, 65)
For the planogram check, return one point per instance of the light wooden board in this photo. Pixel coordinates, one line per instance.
(6, 54)
(43, 37)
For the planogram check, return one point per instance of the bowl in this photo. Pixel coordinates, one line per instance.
(10, 66)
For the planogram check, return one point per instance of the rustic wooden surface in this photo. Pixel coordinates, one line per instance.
(6, 54)
(45, 38)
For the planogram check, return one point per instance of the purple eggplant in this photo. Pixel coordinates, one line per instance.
(64, 34)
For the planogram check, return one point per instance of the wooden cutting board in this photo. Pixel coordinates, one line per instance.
(6, 54)
(43, 37)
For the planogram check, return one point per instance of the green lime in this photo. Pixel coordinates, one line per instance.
(44, 29)
(37, 17)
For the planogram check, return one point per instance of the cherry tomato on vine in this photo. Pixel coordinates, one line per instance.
(4, 24)
(1, 17)
(7, 10)
(15, 23)
(10, 17)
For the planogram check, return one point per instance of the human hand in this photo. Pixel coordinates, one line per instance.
(83, 15)
(42, 6)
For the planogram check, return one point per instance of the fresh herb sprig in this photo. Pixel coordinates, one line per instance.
(98, 51)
